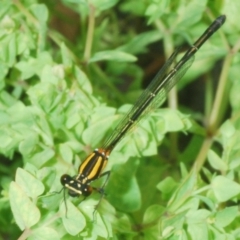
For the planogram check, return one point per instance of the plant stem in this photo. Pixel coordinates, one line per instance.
(26, 233)
(202, 155)
(215, 116)
(89, 40)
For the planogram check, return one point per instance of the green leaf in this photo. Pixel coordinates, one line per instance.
(198, 231)
(183, 192)
(12, 50)
(191, 13)
(103, 4)
(8, 50)
(26, 68)
(98, 4)
(208, 201)
(40, 158)
(7, 22)
(132, 7)
(197, 216)
(55, 75)
(27, 145)
(29, 184)
(227, 129)
(33, 65)
(226, 216)
(52, 201)
(152, 214)
(156, 9)
(3, 73)
(190, 204)
(172, 119)
(75, 221)
(66, 56)
(139, 43)
(82, 80)
(216, 162)
(66, 152)
(40, 11)
(235, 97)
(167, 185)
(123, 190)
(98, 125)
(73, 118)
(46, 233)
(224, 188)
(167, 232)
(139, 141)
(101, 229)
(173, 222)
(113, 55)
(26, 214)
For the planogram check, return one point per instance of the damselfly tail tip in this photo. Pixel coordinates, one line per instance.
(221, 19)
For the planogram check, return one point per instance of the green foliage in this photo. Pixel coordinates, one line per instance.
(60, 97)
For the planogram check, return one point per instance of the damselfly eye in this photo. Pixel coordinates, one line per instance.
(65, 178)
(87, 190)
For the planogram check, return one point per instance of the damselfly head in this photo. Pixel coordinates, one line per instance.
(75, 187)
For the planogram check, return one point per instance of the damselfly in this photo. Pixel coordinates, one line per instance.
(155, 94)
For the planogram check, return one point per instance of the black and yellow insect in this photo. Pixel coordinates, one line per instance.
(154, 95)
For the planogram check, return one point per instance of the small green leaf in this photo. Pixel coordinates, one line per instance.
(29, 184)
(226, 216)
(152, 214)
(235, 96)
(40, 11)
(46, 233)
(72, 119)
(82, 80)
(66, 152)
(190, 204)
(98, 125)
(33, 66)
(102, 227)
(183, 192)
(103, 4)
(216, 162)
(168, 231)
(155, 10)
(197, 216)
(228, 129)
(173, 121)
(66, 56)
(208, 201)
(139, 43)
(26, 68)
(3, 72)
(12, 50)
(26, 214)
(75, 221)
(133, 8)
(123, 190)
(191, 14)
(8, 50)
(198, 231)
(113, 55)
(224, 188)
(167, 185)
(7, 23)
(40, 158)
(27, 145)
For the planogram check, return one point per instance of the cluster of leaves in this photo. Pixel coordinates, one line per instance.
(50, 120)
